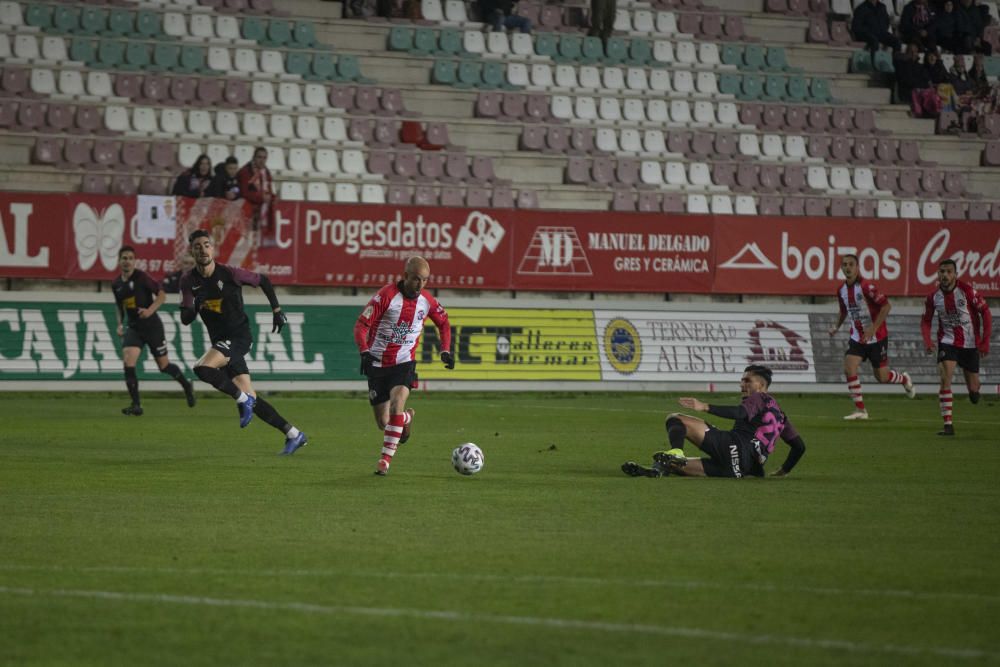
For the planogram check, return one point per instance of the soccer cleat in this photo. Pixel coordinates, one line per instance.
(856, 415)
(406, 429)
(974, 397)
(633, 469)
(133, 411)
(947, 430)
(189, 394)
(670, 457)
(291, 444)
(908, 387)
(246, 410)
(382, 468)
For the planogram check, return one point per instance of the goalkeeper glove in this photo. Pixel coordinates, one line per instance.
(448, 360)
(366, 362)
(278, 320)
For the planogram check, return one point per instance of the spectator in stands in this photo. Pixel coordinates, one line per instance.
(872, 26)
(977, 75)
(502, 15)
(915, 24)
(225, 184)
(257, 187)
(913, 84)
(970, 23)
(945, 28)
(602, 18)
(959, 77)
(194, 181)
(936, 71)
(172, 281)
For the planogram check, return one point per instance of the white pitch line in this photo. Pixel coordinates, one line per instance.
(532, 580)
(531, 621)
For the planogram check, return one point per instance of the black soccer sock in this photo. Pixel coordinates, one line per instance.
(266, 411)
(218, 379)
(676, 430)
(974, 397)
(132, 382)
(175, 372)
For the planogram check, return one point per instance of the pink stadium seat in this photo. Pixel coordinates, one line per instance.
(689, 23)
(817, 207)
(365, 101)
(750, 113)
(452, 195)
(556, 139)
(398, 194)
(702, 145)
(362, 129)
(8, 113)
(769, 177)
(392, 104)
(840, 149)
(773, 117)
(711, 25)
(954, 184)
(527, 199)
(183, 90)
(342, 97)
(30, 116)
(380, 162)
(885, 152)
(989, 126)
(425, 195)
(679, 142)
(477, 197)
(649, 202)
(512, 107)
(578, 170)
(841, 207)
(931, 182)
(865, 208)
(724, 173)
(747, 179)
(794, 178)
(796, 119)
(154, 89)
(673, 202)
(59, 118)
(864, 150)
(908, 152)
(840, 36)
(153, 185)
(979, 210)
(105, 153)
(537, 110)
(909, 182)
(581, 140)
(16, 81)
(819, 119)
(237, 93)
(123, 185)
(128, 85)
(162, 156)
(432, 165)
(769, 205)
(456, 167)
(954, 210)
(404, 166)
(991, 154)
(818, 33)
(89, 120)
(384, 132)
(94, 184)
(819, 146)
(725, 146)
(841, 120)
(532, 138)
(793, 206)
(995, 212)
(135, 155)
(734, 29)
(482, 170)
(46, 151)
(627, 172)
(76, 154)
(488, 104)
(623, 200)
(503, 197)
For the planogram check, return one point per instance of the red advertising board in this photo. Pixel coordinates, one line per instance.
(72, 236)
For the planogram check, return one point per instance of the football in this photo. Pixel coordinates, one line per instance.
(467, 459)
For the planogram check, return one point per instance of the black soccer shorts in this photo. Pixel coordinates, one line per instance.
(382, 380)
(729, 456)
(150, 333)
(236, 349)
(877, 353)
(967, 357)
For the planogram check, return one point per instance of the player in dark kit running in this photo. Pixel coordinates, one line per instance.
(215, 291)
(736, 453)
(138, 297)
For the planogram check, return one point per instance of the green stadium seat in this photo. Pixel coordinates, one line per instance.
(592, 50)
(729, 83)
(165, 57)
(65, 19)
(776, 60)
(615, 51)
(640, 52)
(120, 23)
(450, 43)
(774, 88)
(570, 49)
(192, 60)
(82, 49)
(136, 55)
(731, 54)
(546, 44)
(39, 16)
(469, 74)
(753, 57)
(349, 69)
(424, 42)
(148, 25)
(991, 66)
(304, 34)
(253, 29)
(883, 62)
(298, 62)
(752, 87)
(400, 38)
(279, 33)
(93, 21)
(797, 89)
(110, 53)
(323, 67)
(819, 91)
(494, 75)
(861, 62)
(444, 72)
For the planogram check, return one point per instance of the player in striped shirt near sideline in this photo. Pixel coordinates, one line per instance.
(867, 308)
(387, 333)
(964, 329)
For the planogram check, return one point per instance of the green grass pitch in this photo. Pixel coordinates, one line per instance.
(176, 538)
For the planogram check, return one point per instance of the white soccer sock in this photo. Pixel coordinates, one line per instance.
(293, 432)
(242, 397)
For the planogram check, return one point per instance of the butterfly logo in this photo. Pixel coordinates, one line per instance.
(98, 234)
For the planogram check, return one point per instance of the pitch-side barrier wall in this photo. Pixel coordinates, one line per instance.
(67, 342)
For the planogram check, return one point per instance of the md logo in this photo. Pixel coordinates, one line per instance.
(555, 250)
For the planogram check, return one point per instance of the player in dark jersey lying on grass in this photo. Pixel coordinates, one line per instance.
(215, 291)
(736, 453)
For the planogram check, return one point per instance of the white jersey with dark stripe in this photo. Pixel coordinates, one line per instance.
(959, 312)
(394, 324)
(860, 304)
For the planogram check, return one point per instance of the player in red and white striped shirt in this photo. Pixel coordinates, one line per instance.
(387, 333)
(964, 329)
(867, 308)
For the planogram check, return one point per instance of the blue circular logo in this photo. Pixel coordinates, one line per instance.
(622, 346)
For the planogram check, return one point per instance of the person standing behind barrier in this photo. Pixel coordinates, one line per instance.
(226, 184)
(195, 181)
(502, 15)
(257, 187)
(872, 26)
(602, 18)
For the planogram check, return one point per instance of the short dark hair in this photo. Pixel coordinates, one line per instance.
(197, 234)
(949, 261)
(125, 248)
(763, 372)
(259, 149)
(232, 160)
(852, 256)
